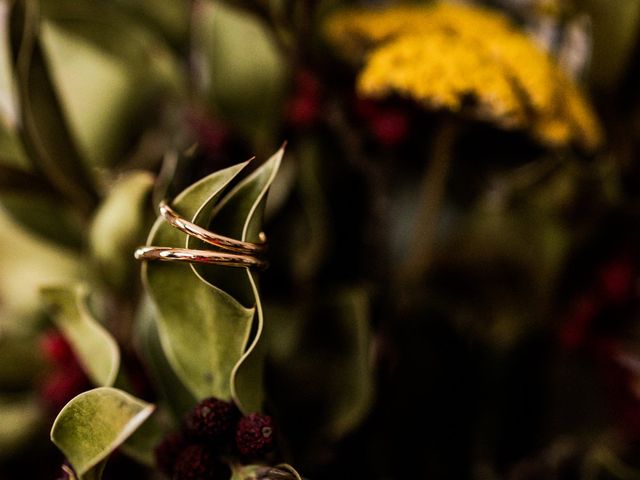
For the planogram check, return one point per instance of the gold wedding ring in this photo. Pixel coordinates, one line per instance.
(236, 253)
(220, 241)
(168, 254)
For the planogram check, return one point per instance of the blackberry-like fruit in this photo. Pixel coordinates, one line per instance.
(167, 452)
(211, 420)
(255, 435)
(198, 462)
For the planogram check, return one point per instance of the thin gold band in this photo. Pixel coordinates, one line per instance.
(168, 254)
(220, 241)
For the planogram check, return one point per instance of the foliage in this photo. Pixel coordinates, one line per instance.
(451, 239)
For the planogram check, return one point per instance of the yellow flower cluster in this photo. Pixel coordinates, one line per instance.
(466, 59)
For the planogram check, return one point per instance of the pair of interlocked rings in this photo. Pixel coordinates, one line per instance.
(235, 253)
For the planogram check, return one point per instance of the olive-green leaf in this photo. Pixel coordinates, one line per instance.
(94, 424)
(95, 348)
(141, 444)
(27, 264)
(284, 471)
(168, 386)
(118, 227)
(91, 48)
(203, 330)
(354, 386)
(329, 341)
(21, 418)
(169, 17)
(8, 108)
(243, 72)
(239, 215)
(46, 216)
(44, 134)
(11, 152)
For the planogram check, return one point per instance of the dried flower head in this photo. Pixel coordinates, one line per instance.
(255, 435)
(198, 462)
(211, 419)
(167, 452)
(468, 60)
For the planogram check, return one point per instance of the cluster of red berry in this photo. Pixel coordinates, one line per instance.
(214, 431)
(388, 124)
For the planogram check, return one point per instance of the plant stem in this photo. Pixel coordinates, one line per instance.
(432, 191)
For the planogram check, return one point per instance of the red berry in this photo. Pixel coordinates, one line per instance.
(167, 451)
(307, 83)
(390, 127)
(212, 419)
(303, 111)
(197, 462)
(55, 348)
(366, 108)
(63, 385)
(255, 434)
(616, 279)
(211, 134)
(580, 319)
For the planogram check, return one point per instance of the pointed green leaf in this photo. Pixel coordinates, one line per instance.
(46, 216)
(8, 107)
(170, 17)
(118, 227)
(353, 387)
(203, 330)
(95, 348)
(11, 152)
(239, 215)
(91, 48)
(21, 418)
(168, 386)
(340, 363)
(141, 444)
(243, 72)
(27, 264)
(44, 134)
(94, 424)
(284, 471)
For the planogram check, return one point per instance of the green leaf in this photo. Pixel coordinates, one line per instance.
(284, 471)
(44, 135)
(95, 348)
(18, 364)
(28, 263)
(118, 227)
(330, 342)
(170, 389)
(91, 48)
(203, 330)
(8, 107)
(11, 152)
(21, 416)
(306, 244)
(353, 387)
(46, 216)
(94, 424)
(242, 72)
(170, 17)
(141, 444)
(239, 215)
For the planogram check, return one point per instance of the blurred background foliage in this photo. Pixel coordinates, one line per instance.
(511, 348)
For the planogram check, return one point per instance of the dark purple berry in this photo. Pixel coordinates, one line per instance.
(197, 462)
(212, 419)
(255, 435)
(167, 452)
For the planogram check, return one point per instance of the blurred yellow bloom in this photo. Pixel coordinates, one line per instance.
(466, 59)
